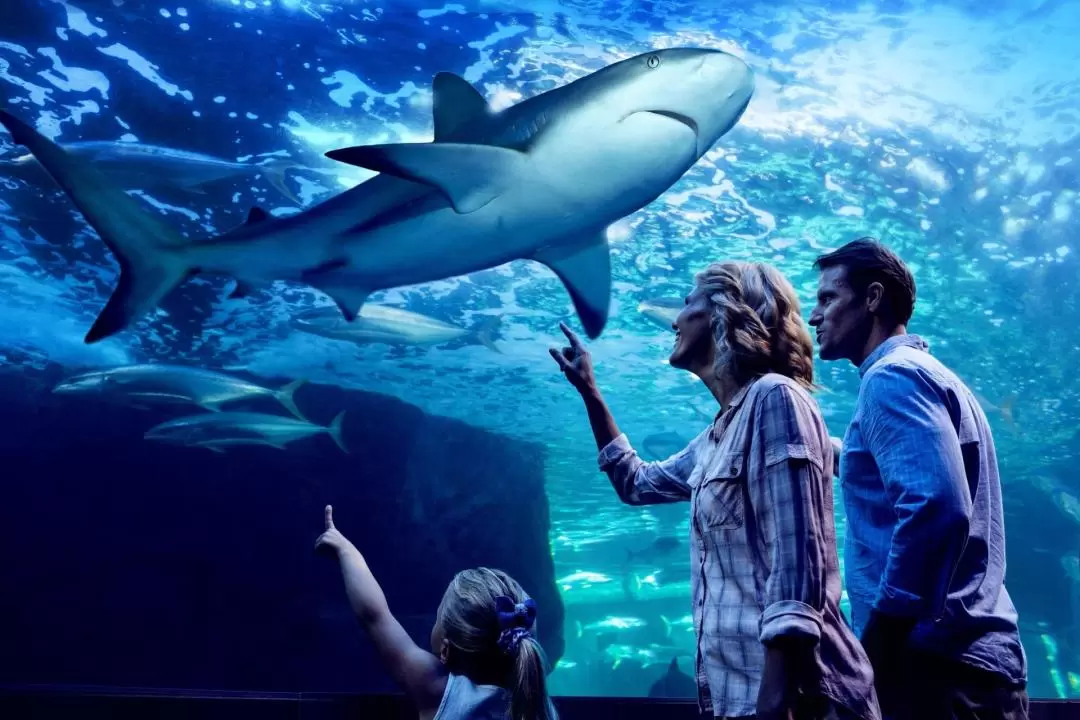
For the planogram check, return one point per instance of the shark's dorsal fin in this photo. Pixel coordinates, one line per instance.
(256, 215)
(242, 290)
(470, 176)
(585, 270)
(454, 103)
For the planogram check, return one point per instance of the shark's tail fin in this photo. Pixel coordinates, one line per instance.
(274, 172)
(285, 397)
(484, 332)
(149, 253)
(334, 430)
(1007, 411)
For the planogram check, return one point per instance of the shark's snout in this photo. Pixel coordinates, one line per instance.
(728, 83)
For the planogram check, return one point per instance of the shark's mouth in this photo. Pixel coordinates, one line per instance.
(676, 116)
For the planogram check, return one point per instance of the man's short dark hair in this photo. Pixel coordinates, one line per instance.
(868, 261)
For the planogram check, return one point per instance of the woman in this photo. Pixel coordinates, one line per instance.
(766, 584)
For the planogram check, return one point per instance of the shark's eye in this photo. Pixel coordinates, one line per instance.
(653, 61)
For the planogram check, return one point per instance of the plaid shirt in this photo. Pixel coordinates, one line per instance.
(763, 544)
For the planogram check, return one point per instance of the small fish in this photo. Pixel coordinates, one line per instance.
(661, 311)
(1005, 409)
(646, 656)
(170, 384)
(582, 579)
(137, 166)
(661, 446)
(686, 622)
(651, 580)
(217, 431)
(611, 624)
(393, 326)
(657, 548)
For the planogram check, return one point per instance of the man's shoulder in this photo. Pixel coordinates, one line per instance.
(905, 364)
(909, 371)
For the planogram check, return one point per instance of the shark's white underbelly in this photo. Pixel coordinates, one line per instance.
(443, 243)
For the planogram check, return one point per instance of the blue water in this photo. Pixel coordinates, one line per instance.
(950, 130)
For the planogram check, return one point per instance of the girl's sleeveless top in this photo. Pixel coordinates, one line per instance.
(465, 700)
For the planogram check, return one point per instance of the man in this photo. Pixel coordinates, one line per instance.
(925, 549)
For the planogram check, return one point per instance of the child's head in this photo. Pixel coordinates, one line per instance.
(485, 630)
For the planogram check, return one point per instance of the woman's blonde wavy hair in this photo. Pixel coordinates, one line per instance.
(757, 324)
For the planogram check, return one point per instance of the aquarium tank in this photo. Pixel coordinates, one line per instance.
(195, 193)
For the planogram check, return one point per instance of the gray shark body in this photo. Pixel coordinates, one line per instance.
(138, 166)
(661, 311)
(217, 431)
(160, 383)
(540, 180)
(392, 326)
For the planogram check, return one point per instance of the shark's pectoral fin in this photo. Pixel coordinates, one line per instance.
(455, 103)
(348, 297)
(274, 172)
(585, 270)
(470, 176)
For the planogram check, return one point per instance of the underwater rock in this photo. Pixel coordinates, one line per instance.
(130, 563)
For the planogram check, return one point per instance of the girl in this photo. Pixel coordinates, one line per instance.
(485, 662)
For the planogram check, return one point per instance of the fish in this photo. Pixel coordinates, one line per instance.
(170, 384)
(1005, 409)
(661, 311)
(686, 622)
(663, 445)
(582, 579)
(652, 580)
(646, 656)
(540, 180)
(139, 166)
(611, 624)
(657, 548)
(393, 326)
(217, 431)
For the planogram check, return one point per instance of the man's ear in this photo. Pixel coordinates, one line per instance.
(875, 296)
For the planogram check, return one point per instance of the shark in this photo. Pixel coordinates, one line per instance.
(393, 326)
(661, 311)
(217, 431)
(141, 166)
(540, 180)
(161, 383)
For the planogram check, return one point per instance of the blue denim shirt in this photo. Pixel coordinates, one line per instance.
(926, 530)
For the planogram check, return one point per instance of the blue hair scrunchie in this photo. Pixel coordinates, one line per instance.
(515, 622)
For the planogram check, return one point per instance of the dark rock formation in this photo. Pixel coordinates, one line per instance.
(130, 563)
